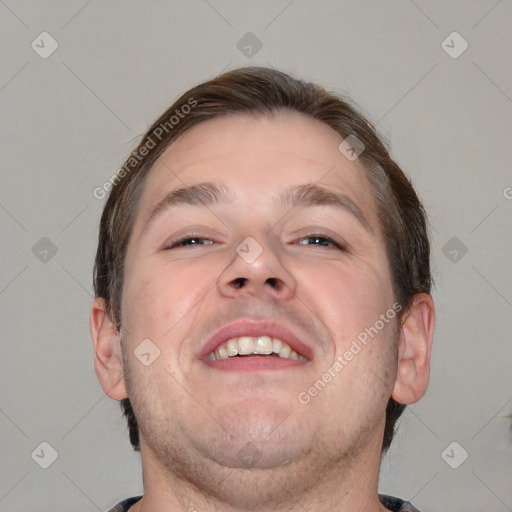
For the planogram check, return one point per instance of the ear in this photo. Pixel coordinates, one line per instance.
(414, 350)
(108, 360)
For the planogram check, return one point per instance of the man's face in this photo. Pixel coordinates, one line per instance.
(193, 269)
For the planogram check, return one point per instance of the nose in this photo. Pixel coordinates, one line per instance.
(257, 270)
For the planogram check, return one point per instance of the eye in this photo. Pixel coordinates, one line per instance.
(189, 241)
(320, 241)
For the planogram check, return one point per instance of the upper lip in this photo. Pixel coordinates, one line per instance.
(247, 327)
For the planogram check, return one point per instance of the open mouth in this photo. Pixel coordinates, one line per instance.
(255, 346)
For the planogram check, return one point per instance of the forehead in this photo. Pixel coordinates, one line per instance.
(256, 155)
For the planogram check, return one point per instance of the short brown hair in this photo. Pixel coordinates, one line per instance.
(259, 90)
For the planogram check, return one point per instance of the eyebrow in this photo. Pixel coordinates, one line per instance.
(208, 194)
(315, 195)
(203, 194)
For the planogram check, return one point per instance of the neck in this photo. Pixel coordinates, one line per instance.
(348, 484)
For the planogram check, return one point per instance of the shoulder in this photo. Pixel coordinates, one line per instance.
(396, 504)
(124, 505)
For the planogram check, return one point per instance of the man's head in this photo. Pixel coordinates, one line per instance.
(252, 165)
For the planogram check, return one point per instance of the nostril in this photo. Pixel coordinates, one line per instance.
(239, 282)
(274, 282)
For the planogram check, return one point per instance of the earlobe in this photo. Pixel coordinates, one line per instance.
(108, 360)
(414, 350)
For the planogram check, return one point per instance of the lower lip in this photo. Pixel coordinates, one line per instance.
(253, 363)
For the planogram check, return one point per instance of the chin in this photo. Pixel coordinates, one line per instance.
(260, 436)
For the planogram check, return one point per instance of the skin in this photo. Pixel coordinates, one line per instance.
(194, 420)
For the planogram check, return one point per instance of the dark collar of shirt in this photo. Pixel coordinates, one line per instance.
(390, 502)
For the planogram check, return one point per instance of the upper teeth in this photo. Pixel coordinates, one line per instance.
(246, 345)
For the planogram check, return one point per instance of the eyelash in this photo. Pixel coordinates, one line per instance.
(317, 236)
(186, 239)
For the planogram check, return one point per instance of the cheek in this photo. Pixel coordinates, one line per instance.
(162, 296)
(348, 298)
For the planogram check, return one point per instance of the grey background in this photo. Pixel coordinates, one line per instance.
(68, 122)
